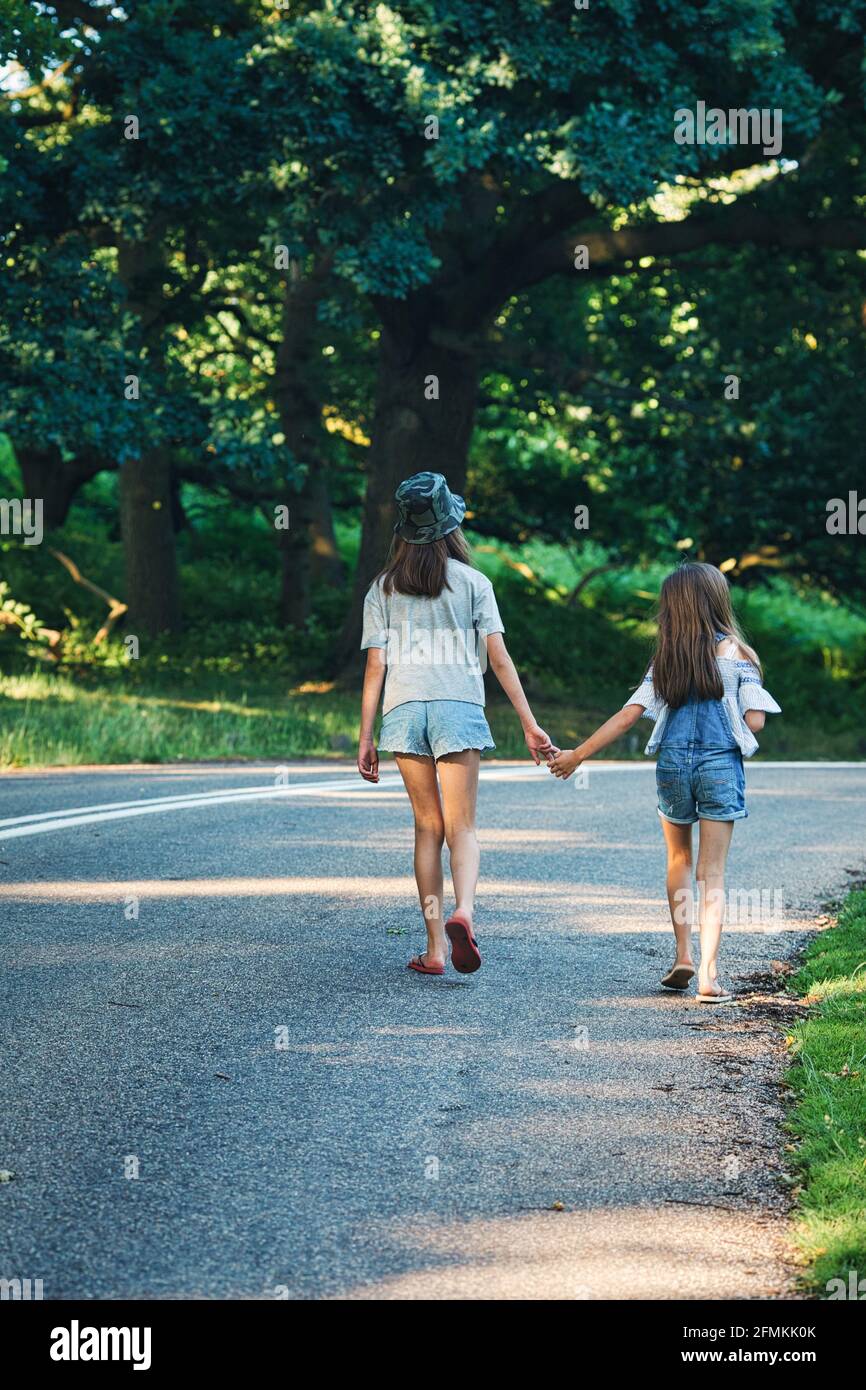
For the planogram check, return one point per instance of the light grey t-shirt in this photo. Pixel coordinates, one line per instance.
(435, 646)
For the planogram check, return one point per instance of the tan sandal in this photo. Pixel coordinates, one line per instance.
(678, 977)
(714, 998)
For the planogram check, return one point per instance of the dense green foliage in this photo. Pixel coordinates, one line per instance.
(235, 685)
(239, 238)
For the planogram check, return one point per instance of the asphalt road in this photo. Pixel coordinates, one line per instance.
(307, 1118)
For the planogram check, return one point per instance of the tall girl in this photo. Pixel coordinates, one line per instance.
(430, 622)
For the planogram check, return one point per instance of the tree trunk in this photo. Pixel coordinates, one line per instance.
(308, 549)
(328, 567)
(148, 544)
(44, 474)
(146, 510)
(311, 528)
(295, 562)
(411, 434)
(179, 518)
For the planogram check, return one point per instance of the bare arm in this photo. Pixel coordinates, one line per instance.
(613, 728)
(755, 719)
(537, 741)
(374, 678)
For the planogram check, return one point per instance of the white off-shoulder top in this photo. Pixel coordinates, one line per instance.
(743, 690)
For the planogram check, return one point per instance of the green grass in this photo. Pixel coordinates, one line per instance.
(51, 720)
(829, 1120)
(116, 716)
(57, 720)
(234, 684)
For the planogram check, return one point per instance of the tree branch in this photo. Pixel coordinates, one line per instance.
(24, 93)
(733, 225)
(587, 579)
(537, 218)
(252, 333)
(116, 607)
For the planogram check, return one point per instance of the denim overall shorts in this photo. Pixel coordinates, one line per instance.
(699, 772)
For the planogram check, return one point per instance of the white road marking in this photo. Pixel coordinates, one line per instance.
(80, 815)
(41, 822)
(118, 805)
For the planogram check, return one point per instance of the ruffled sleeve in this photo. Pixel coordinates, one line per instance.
(752, 694)
(645, 695)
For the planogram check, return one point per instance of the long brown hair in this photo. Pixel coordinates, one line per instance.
(694, 605)
(422, 570)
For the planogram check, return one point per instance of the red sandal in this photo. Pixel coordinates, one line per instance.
(417, 963)
(465, 955)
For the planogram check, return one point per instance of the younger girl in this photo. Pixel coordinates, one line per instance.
(704, 691)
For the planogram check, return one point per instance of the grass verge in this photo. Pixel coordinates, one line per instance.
(49, 719)
(829, 1119)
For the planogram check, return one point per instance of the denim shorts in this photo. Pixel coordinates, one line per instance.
(432, 728)
(700, 784)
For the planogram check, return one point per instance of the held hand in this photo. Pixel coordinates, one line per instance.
(539, 744)
(368, 760)
(564, 764)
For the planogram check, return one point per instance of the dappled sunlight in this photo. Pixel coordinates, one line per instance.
(52, 688)
(159, 772)
(618, 1091)
(644, 1050)
(592, 1136)
(505, 839)
(348, 796)
(108, 890)
(658, 1060)
(625, 912)
(627, 1252)
(511, 841)
(395, 840)
(438, 1030)
(350, 886)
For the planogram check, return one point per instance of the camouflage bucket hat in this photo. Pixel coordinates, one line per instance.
(428, 509)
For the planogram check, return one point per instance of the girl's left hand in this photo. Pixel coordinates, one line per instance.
(368, 760)
(564, 764)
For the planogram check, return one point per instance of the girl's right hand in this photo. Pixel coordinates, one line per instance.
(368, 760)
(539, 743)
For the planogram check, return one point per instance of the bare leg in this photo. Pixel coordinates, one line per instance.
(419, 777)
(678, 839)
(715, 840)
(458, 775)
